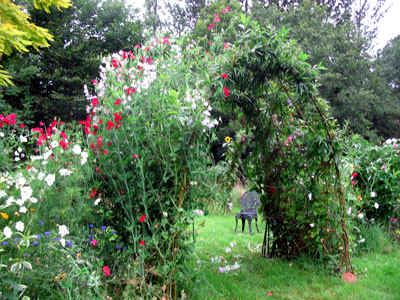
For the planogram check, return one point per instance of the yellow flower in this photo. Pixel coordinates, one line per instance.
(227, 139)
(359, 197)
(4, 215)
(398, 232)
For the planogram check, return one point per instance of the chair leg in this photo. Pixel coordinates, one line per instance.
(249, 221)
(243, 223)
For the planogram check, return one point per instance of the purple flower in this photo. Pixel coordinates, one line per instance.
(103, 228)
(91, 225)
(41, 223)
(35, 243)
(38, 236)
(119, 246)
(57, 238)
(394, 220)
(5, 243)
(47, 233)
(68, 244)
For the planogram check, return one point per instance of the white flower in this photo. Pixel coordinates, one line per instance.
(23, 139)
(50, 179)
(97, 201)
(362, 241)
(47, 154)
(232, 244)
(376, 205)
(235, 266)
(228, 250)
(349, 211)
(65, 172)
(20, 202)
(19, 226)
(310, 196)
(26, 192)
(76, 149)
(1, 134)
(2, 194)
(10, 201)
(53, 144)
(221, 269)
(20, 181)
(33, 200)
(62, 242)
(23, 210)
(7, 232)
(373, 194)
(63, 230)
(312, 225)
(198, 212)
(360, 216)
(84, 156)
(41, 175)
(198, 261)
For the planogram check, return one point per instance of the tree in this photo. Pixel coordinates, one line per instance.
(82, 33)
(349, 83)
(389, 64)
(184, 17)
(16, 32)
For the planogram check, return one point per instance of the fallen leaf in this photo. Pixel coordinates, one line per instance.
(349, 277)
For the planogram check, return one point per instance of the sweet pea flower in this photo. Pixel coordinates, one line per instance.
(94, 243)
(376, 205)
(106, 271)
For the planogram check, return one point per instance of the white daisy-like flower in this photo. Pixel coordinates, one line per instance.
(20, 202)
(376, 205)
(23, 139)
(26, 192)
(50, 179)
(7, 232)
(19, 226)
(23, 210)
(2, 194)
(33, 200)
(312, 225)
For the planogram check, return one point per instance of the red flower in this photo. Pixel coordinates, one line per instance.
(22, 125)
(270, 293)
(224, 76)
(142, 243)
(118, 101)
(106, 271)
(93, 193)
(135, 156)
(95, 102)
(106, 152)
(109, 143)
(109, 125)
(226, 92)
(142, 218)
(354, 175)
(210, 27)
(94, 243)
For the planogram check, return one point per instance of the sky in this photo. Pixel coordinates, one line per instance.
(388, 28)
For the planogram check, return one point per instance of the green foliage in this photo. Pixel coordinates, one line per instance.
(51, 83)
(149, 138)
(350, 83)
(17, 32)
(290, 140)
(375, 178)
(389, 64)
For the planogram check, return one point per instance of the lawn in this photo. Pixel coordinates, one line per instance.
(378, 272)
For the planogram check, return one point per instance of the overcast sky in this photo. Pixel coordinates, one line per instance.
(388, 28)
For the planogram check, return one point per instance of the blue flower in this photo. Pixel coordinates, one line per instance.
(57, 238)
(38, 236)
(119, 246)
(91, 225)
(41, 223)
(5, 243)
(103, 228)
(35, 243)
(68, 244)
(47, 233)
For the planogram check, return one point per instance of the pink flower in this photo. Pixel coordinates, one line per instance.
(217, 19)
(142, 243)
(226, 92)
(118, 101)
(383, 167)
(210, 26)
(94, 243)
(165, 40)
(106, 271)
(224, 76)
(226, 45)
(135, 156)
(395, 146)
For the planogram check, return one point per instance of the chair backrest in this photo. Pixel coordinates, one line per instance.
(250, 201)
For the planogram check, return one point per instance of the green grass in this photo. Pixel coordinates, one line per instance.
(378, 273)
